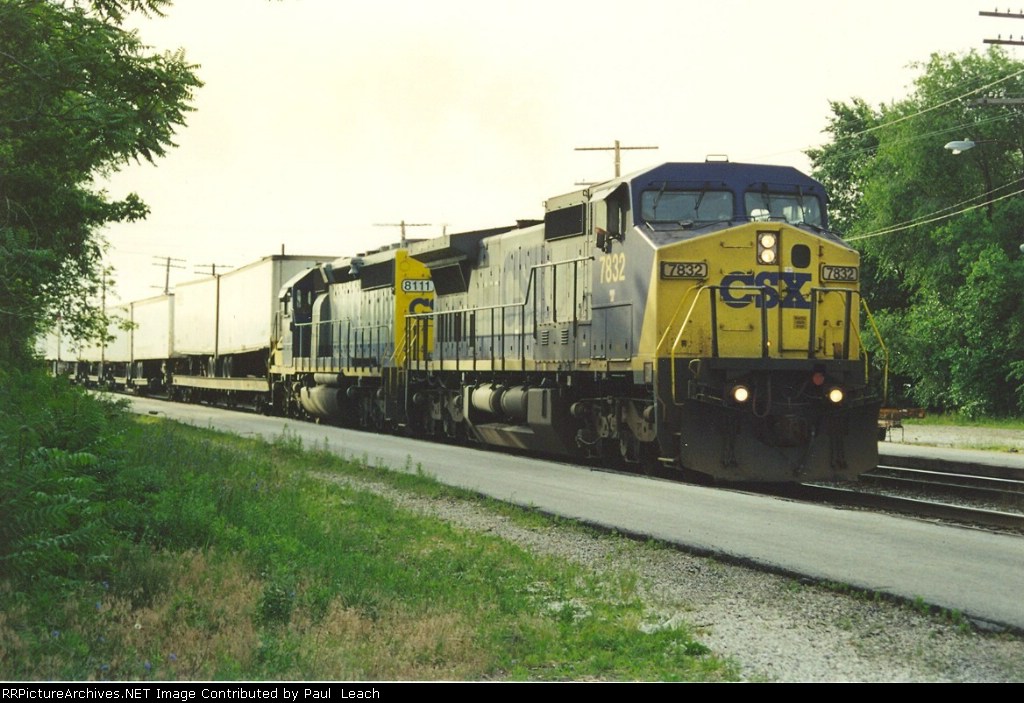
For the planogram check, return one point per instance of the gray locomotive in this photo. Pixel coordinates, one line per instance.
(699, 315)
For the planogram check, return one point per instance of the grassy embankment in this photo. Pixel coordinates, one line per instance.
(139, 549)
(957, 420)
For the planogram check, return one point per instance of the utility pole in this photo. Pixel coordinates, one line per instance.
(106, 325)
(167, 269)
(403, 224)
(999, 39)
(618, 149)
(216, 315)
(104, 282)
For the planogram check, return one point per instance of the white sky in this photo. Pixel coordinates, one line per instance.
(321, 118)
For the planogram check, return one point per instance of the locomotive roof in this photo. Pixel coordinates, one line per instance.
(738, 177)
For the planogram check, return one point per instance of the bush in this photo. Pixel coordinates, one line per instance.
(56, 442)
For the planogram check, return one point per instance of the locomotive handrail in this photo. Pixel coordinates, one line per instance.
(679, 308)
(528, 296)
(856, 328)
(811, 346)
(679, 336)
(526, 299)
(315, 362)
(885, 349)
(760, 290)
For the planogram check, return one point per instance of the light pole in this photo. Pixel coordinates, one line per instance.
(961, 145)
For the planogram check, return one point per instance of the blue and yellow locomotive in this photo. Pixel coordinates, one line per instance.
(700, 315)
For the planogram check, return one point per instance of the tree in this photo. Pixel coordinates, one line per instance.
(80, 97)
(940, 234)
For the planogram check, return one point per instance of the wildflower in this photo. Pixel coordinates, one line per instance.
(137, 626)
(55, 634)
(173, 657)
(147, 666)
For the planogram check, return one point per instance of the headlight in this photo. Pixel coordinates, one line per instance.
(836, 395)
(741, 394)
(767, 248)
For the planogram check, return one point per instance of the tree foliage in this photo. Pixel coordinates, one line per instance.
(80, 97)
(940, 233)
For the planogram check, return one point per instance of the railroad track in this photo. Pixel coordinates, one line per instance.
(855, 496)
(983, 495)
(995, 484)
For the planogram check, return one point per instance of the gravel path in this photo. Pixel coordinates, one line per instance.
(775, 628)
(960, 437)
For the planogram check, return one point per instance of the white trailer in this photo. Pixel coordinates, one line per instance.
(153, 328)
(224, 324)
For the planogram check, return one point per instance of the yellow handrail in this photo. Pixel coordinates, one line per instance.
(878, 336)
(679, 335)
(682, 301)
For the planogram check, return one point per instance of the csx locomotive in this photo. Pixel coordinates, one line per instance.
(699, 315)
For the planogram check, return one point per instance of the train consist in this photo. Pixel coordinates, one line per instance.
(700, 315)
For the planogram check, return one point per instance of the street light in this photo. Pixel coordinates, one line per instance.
(962, 145)
(959, 147)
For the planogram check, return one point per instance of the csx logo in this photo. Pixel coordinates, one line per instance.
(420, 306)
(736, 293)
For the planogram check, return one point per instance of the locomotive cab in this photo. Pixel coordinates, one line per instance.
(752, 325)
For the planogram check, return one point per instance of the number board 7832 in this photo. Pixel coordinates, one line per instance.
(684, 269)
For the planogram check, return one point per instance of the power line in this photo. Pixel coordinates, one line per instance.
(910, 224)
(618, 149)
(936, 107)
(1004, 15)
(918, 137)
(167, 269)
(403, 224)
(212, 269)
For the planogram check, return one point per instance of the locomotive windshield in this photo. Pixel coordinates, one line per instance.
(796, 209)
(685, 205)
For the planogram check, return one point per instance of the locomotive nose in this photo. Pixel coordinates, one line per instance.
(791, 431)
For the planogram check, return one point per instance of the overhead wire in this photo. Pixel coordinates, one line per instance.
(931, 217)
(938, 215)
(906, 140)
(945, 103)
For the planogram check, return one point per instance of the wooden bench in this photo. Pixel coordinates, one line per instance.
(890, 418)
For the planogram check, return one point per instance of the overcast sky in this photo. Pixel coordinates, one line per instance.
(320, 119)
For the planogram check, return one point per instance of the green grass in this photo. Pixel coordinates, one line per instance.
(215, 557)
(963, 421)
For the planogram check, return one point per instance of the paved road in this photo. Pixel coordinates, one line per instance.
(975, 572)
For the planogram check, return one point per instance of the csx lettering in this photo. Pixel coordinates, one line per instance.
(770, 282)
(419, 306)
